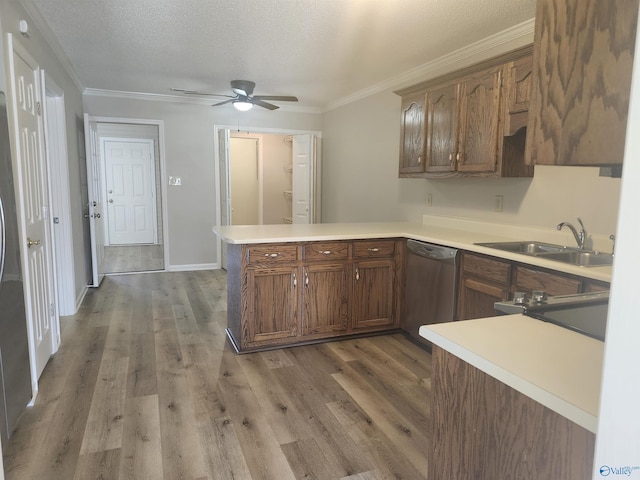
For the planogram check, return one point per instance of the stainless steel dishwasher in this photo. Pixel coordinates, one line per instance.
(431, 286)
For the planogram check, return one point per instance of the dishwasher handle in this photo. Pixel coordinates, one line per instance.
(428, 250)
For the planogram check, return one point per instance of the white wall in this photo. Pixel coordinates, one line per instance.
(189, 155)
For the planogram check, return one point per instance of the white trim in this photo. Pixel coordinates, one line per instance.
(80, 298)
(254, 130)
(163, 170)
(518, 35)
(194, 267)
(154, 176)
(55, 135)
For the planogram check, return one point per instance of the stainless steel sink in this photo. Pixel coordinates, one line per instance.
(558, 253)
(580, 258)
(527, 248)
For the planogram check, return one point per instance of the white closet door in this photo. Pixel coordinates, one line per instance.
(302, 200)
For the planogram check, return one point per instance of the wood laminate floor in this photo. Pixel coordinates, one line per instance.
(145, 386)
(133, 258)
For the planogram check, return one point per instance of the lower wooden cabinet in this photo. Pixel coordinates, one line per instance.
(325, 299)
(374, 294)
(485, 280)
(284, 294)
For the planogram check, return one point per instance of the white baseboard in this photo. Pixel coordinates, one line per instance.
(193, 267)
(80, 298)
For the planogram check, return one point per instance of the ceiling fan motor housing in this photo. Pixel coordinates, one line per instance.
(242, 87)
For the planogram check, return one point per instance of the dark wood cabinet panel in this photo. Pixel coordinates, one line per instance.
(442, 125)
(476, 298)
(325, 251)
(485, 429)
(498, 271)
(374, 295)
(412, 133)
(325, 299)
(271, 254)
(583, 58)
(478, 136)
(595, 286)
(374, 249)
(518, 81)
(529, 279)
(272, 303)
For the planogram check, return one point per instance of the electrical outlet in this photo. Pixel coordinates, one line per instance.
(499, 201)
(175, 181)
(429, 200)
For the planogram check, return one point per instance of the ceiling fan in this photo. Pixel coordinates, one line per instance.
(243, 99)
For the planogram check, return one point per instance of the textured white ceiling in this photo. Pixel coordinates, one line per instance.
(319, 50)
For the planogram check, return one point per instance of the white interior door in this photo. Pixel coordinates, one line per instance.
(225, 201)
(302, 201)
(130, 184)
(33, 200)
(94, 186)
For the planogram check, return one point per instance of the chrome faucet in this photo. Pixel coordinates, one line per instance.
(579, 236)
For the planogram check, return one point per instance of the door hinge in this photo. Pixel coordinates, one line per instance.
(39, 108)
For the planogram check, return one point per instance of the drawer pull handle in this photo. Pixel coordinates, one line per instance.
(324, 252)
(295, 280)
(272, 255)
(373, 249)
(306, 278)
(357, 274)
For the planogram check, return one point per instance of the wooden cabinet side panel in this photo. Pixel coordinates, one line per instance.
(483, 428)
(527, 280)
(583, 60)
(234, 291)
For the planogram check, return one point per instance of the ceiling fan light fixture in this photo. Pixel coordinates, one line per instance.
(242, 105)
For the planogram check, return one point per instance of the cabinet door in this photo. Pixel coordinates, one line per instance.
(583, 58)
(518, 75)
(476, 298)
(374, 294)
(479, 121)
(272, 303)
(412, 134)
(325, 299)
(442, 120)
(528, 279)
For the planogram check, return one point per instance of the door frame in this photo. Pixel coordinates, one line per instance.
(103, 165)
(161, 163)
(317, 191)
(55, 138)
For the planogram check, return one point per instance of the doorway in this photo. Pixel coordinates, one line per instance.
(130, 170)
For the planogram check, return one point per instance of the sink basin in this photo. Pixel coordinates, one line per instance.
(580, 258)
(527, 248)
(558, 253)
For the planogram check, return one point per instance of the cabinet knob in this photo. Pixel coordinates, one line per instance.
(420, 160)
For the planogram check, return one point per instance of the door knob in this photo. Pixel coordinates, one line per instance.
(97, 215)
(111, 200)
(32, 243)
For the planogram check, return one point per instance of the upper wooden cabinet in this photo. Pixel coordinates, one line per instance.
(412, 141)
(518, 76)
(464, 121)
(582, 63)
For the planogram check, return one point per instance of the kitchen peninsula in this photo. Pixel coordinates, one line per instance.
(346, 279)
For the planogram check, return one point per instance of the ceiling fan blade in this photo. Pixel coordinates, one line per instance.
(279, 98)
(224, 102)
(260, 103)
(195, 92)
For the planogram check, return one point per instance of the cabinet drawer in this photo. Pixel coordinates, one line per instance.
(489, 268)
(374, 249)
(272, 254)
(325, 251)
(528, 279)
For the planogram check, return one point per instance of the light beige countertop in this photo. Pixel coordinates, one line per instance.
(552, 365)
(456, 233)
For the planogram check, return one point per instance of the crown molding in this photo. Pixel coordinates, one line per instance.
(516, 36)
(183, 99)
(52, 41)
